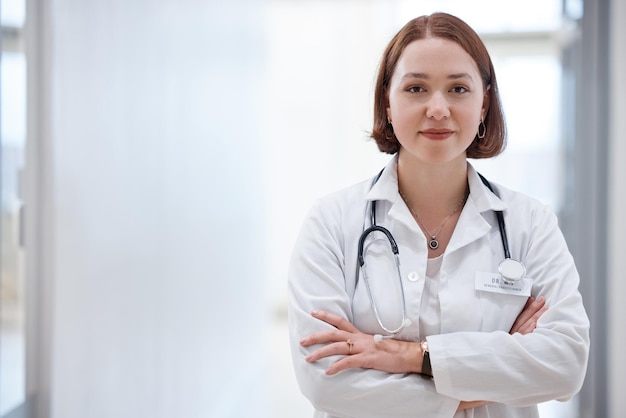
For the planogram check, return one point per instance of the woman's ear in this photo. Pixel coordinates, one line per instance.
(486, 103)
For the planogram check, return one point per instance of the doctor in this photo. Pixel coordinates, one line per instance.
(442, 334)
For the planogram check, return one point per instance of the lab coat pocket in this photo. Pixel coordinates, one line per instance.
(499, 311)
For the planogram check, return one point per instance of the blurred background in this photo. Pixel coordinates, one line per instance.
(158, 156)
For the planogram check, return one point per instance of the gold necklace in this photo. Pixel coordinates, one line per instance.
(433, 244)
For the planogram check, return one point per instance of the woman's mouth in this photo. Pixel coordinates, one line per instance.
(437, 134)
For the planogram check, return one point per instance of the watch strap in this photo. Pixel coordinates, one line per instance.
(426, 368)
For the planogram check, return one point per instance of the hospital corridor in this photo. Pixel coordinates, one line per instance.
(158, 160)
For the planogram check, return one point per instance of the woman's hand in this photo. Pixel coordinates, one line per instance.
(526, 321)
(393, 356)
(359, 349)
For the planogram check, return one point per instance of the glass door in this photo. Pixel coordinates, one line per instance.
(12, 146)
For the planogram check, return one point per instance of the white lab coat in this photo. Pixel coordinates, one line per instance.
(473, 357)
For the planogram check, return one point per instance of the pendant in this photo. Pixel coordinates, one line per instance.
(433, 243)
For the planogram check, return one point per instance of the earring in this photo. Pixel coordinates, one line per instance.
(482, 130)
(389, 134)
(388, 130)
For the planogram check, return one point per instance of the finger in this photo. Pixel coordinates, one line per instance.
(529, 301)
(337, 348)
(334, 320)
(347, 362)
(527, 328)
(325, 337)
(530, 325)
(530, 309)
(538, 314)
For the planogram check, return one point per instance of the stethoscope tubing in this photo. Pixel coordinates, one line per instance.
(374, 227)
(394, 248)
(500, 217)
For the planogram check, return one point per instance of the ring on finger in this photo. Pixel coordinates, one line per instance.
(350, 344)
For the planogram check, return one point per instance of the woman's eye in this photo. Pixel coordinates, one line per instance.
(460, 89)
(415, 89)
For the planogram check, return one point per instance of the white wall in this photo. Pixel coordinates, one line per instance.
(146, 255)
(617, 220)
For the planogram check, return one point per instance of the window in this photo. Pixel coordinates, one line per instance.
(12, 141)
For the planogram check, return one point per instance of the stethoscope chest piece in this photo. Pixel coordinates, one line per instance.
(511, 270)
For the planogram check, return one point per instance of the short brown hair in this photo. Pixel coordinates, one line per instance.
(440, 25)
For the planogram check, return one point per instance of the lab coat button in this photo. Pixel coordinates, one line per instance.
(413, 276)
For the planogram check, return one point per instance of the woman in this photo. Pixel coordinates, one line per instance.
(446, 334)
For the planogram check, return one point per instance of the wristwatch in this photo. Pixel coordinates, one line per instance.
(426, 369)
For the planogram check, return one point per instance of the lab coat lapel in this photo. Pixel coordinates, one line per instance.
(386, 190)
(470, 227)
(472, 223)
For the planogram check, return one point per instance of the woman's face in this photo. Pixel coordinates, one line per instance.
(436, 101)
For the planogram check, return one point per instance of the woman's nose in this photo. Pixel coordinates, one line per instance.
(437, 107)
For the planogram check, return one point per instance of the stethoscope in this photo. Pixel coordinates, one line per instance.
(511, 270)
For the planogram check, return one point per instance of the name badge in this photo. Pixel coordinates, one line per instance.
(493, 282)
